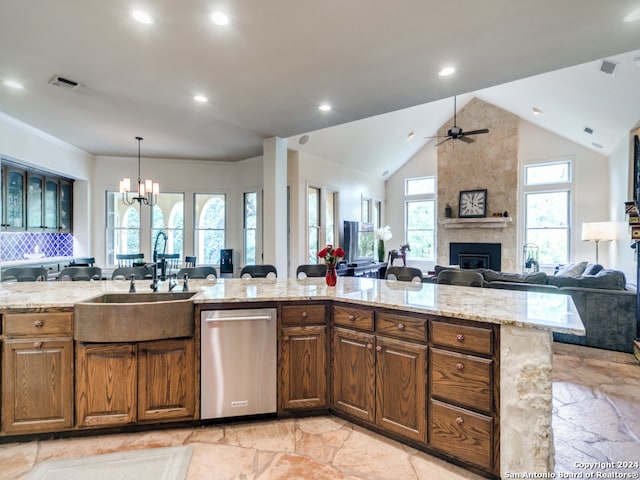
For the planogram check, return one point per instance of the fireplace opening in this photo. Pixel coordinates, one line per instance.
(476, 255)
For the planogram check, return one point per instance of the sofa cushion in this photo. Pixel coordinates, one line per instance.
(572, 269)
(592, 269)
(539, 278)
(605, 279)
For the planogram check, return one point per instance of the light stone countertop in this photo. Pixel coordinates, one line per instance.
(554, 312)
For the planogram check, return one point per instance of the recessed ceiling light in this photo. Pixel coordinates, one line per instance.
(410, 136)
(13, 84)
(446, 71)
(537, 111)
(303, 139)
(633, 16)
(385, 173)
(325, 107)
(588, 130)
(200, 98)
(142, 17)
(220, 18)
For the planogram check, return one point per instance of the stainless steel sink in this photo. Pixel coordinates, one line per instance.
(134, 317)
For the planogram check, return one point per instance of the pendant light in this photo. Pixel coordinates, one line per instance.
(147, 192)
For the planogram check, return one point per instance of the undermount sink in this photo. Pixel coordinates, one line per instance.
(134, 317)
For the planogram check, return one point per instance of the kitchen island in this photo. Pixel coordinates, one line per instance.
(522, 323)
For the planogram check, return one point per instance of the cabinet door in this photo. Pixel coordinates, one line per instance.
(303, 368)
(105, 384)
(166, 379)
(400, 387)
(37, 385)
(353, 371)
(66, 206)
(14, 200)
(50, 209)
(35, 189)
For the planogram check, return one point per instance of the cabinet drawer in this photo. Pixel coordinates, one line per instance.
(463, 337)
(401, 326)
(303, 314)
(461, 379)
(460, 433)
(36, 324)
(353, 317)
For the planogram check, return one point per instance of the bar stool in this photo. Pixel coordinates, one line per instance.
(25, 274)
(197, 272)
(128, 259)
(80, 273)
(258, 271)
(311, 270)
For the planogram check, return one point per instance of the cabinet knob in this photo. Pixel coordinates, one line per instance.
(351, 318)
(304, 315)
(460, 366)
(401, 326)
(38, 323)
(286, 338)
(378, 348)
(369, 346)
(37, 344)
(459, 420)
(460, 337)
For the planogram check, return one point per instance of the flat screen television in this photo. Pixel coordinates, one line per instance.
(359, 242)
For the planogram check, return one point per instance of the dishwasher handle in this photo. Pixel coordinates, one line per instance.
(237, 318)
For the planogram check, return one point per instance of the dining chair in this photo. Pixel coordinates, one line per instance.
(82, 262)
(258, 271)
(404, 274)
(124, 273)
(80, 273)
(197, 272)
(465, 278)
(172, 259)
(311, 270)
(128, 259)
(25, 274)
(190, 261)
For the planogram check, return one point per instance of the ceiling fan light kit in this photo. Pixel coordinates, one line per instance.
(457, 133)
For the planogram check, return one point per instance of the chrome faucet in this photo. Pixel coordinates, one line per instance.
(185, 284)
(173, 282)
(132, 285)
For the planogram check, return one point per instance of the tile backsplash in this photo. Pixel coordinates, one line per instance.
(18, 245)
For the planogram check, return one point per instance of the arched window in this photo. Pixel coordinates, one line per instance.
(210, 226)
(123, 227)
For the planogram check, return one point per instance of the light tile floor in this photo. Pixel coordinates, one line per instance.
(596, 419)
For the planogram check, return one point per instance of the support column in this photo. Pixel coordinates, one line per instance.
(274, 205)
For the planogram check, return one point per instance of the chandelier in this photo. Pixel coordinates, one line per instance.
(147, 191)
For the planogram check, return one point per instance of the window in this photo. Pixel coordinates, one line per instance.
(123, 227)
(420, 217)
(322, 208)
(210, 221)
(547, 188)
(250, 225)
(167, 215)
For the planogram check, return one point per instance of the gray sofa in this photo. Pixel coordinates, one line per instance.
(606, 303)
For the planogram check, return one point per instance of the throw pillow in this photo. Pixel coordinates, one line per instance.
(592, 269)
(605, 279)
(572, 270)
(539, 278)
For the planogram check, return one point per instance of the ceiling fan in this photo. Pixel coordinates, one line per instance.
(456, 133)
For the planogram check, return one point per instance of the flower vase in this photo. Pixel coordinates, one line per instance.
(331, 276)
(380, 250)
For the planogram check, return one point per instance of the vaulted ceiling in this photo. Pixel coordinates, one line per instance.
(268, 70)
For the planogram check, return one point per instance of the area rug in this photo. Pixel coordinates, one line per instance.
(167, 463)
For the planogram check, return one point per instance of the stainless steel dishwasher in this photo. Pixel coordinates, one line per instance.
(238, 362)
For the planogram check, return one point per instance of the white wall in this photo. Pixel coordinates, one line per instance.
(423, 164)
(30, 146)
(305, 169)
(176, 175)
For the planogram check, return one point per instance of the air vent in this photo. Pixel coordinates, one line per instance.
(588, 130)
(608, 67)
(59, 81)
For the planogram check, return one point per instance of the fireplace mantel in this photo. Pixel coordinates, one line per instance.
(484, 222)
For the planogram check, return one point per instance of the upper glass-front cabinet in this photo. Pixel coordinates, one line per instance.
(35, 201)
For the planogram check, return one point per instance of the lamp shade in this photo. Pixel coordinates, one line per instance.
(599, 231)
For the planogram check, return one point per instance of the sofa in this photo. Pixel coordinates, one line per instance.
(607, 304)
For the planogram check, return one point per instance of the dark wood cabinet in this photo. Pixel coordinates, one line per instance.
(37, 373)
(36, 201)
(302, 358)
(124, 383)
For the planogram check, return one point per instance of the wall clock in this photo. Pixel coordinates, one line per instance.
(473, 203)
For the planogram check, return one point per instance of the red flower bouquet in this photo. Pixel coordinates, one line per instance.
(331, 255)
